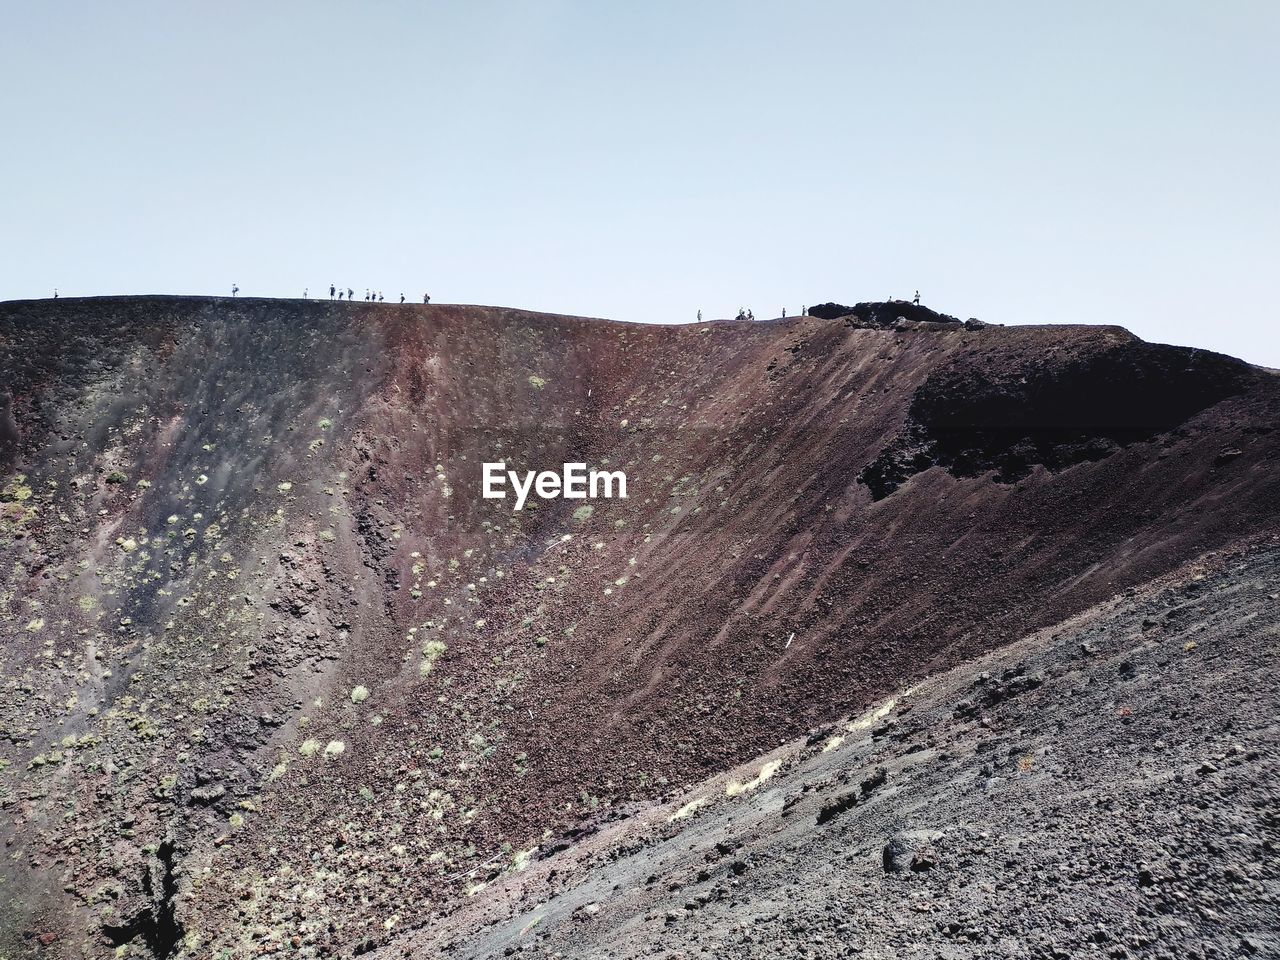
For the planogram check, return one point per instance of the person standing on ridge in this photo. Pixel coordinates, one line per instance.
(234, 289)
(332, 290)
(699, 316)
(351, 294)
(784, 313)
(379, 296)
(916, 301)
(55, 293)
(304, 293)
(426, 298)
(340, 294)
(402, 298)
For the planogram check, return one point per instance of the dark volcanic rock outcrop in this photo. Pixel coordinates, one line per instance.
(1006, 412)
(880, 314)
(254, 607)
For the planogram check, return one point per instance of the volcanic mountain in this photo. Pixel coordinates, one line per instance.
(278, 680)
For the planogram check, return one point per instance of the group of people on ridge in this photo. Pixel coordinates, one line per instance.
(370, 296)
(749, 315)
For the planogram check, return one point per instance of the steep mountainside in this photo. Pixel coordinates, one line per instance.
(275, 678)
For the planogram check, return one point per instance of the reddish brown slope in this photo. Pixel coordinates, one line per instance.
(225, 517)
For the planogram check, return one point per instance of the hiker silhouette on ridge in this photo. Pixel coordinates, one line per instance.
(332, 290)
(351, 294)
(234, 289)
(916, 300)
(402, 298)
(426, 298)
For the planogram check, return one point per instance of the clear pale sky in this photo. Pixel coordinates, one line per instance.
(1020, 162)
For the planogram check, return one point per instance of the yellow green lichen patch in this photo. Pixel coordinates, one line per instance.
(15, 490)
(14, 502)
(689, 809)
(768, 770)
(431, 651)
(868, 719)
